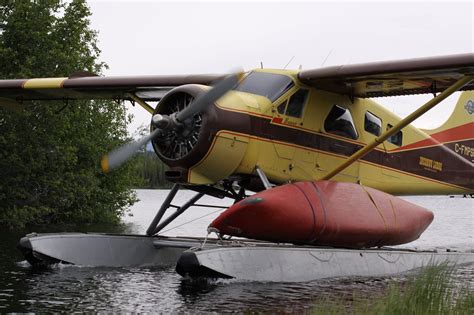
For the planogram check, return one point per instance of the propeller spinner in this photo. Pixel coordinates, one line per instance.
(166, 124)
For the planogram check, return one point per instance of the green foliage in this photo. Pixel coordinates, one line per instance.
(49, 157)
(432, 291)
(149, 171)
(146, 168)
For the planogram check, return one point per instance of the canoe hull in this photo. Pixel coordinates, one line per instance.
(325, 213)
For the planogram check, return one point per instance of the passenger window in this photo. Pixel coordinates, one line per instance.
(397, 138)
(340, 122)
(372, 124)
(296, 103)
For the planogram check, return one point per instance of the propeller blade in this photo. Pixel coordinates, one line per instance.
(204, 100)
(120, 155)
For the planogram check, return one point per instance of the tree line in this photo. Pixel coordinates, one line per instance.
(50, 152)
(149, 171)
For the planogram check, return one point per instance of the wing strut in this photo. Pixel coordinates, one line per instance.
(402, 124)
(142, 103)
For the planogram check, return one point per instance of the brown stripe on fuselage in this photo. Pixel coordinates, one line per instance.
(454, 170)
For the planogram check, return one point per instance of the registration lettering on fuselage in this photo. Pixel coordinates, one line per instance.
(464, 150)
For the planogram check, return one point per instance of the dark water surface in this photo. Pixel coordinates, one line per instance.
(74, 288)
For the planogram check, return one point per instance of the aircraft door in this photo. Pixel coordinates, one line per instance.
(287, 141)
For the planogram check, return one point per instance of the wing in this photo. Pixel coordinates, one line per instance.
(392, 78)
(148, 88)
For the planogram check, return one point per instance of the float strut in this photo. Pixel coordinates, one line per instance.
(179, 211)
(263, 177)
(163, 208)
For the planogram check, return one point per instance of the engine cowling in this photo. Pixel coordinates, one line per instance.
(200, 151)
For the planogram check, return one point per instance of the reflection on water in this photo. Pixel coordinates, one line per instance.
(152, 289)
(72, 288)
(114, 289)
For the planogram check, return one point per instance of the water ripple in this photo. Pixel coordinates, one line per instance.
(66, 288)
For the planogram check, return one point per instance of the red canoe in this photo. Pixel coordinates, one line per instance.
(325, 213)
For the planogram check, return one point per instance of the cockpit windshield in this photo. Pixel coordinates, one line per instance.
(270, 85)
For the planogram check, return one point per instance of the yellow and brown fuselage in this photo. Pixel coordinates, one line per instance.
(244, 130)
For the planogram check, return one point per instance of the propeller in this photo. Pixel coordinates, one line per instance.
(165, 123)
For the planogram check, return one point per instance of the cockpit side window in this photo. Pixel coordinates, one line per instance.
(296, 103)
(339, 121)
(372, 124)
(396, 139)
(270, 85)
(281, 108)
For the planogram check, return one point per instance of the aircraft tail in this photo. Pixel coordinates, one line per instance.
(460, 125)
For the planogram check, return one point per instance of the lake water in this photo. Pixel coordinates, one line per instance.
(77, 289)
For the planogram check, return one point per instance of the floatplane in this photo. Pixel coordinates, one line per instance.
(325, 163)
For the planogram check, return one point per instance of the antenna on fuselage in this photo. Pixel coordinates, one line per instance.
(325, 59)
(291, 59)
